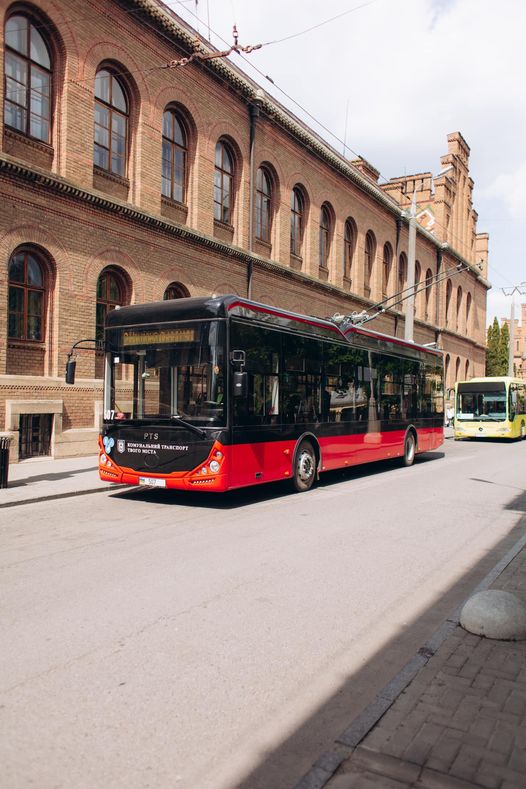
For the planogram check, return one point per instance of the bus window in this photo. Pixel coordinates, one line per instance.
(389, 385)
(346, 391)
(262, 354)
(302, 380)
(410, 389)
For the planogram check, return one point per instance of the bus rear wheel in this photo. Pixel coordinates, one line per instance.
(304, 467)
(409, 449)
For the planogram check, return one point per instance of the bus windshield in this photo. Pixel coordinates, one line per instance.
(168, 372)
(482, 406)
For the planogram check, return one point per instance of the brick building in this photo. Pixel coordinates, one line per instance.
(519, 341)
(125, 181)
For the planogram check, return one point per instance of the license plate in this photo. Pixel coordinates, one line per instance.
(154, 482)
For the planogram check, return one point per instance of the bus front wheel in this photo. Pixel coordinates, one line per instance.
(304, 467)
(409, 449)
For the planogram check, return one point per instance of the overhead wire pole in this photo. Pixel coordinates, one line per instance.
(521, 289)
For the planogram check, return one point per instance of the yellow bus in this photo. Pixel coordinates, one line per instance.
(490, 408)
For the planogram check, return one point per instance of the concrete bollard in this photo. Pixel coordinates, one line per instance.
(495, 614)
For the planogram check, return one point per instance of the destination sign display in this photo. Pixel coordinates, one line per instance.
(135, 337)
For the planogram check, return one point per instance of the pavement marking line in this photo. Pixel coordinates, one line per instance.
(324, 768)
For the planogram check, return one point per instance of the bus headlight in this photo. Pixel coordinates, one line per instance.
(214, 466)
(103, 459)
(218, 454)
(204, 470)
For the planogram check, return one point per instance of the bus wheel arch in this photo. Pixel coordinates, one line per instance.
(305, 463)
(410, 447)
(522, 434)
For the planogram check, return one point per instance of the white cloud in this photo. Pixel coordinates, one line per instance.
(411, 71)
(510, 188)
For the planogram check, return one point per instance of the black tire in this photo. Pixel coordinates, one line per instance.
(304, 472)
(409, 449)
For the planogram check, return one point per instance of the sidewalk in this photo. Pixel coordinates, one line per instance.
(454, 718)
(45, 478)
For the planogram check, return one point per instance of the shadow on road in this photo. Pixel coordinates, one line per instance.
(264, 492)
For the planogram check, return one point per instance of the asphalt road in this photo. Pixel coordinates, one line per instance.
(194, 642)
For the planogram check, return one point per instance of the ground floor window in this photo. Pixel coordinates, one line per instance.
(35, 435)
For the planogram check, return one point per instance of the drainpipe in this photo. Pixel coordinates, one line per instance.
(253, 111)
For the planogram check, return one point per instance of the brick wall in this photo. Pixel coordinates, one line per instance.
(83, 221)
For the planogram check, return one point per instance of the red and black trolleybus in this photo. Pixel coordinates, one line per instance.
(220, 393)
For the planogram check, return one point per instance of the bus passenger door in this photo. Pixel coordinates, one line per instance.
(257, 452)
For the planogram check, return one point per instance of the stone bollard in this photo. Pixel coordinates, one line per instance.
(495, 614)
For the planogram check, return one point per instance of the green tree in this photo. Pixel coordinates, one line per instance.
(493, 349)
(497, 349)
(504, 350)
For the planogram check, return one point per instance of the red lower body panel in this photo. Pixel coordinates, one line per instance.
(242, 465)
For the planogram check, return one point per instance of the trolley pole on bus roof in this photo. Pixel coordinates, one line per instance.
(511, 292)
(411, 247)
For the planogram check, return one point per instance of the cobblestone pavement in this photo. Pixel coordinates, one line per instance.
(461, 722)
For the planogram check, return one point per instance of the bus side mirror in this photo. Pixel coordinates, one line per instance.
(70, 371)
(240, 384)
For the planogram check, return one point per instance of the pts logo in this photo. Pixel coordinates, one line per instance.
(151, 436)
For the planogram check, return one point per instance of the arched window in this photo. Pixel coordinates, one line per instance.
(387, 264)
(459, 307)
(111, 293)
(28, 72)
(467, 373)
(449, 291)
(27, 296)
(111, 123)
(418, 274)
(263, 204)
(325, 236)
(223, 183)
(447, 364)
(349, 245)
(175, 157)
(457, 369)
(468, 311)
(369, 255)
(297, 216)
(175, 290)
(402, 273)
(429, 282)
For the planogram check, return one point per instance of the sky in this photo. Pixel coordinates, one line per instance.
(388, 80)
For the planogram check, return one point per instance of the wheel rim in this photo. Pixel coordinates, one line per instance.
(410, 448)
(305, 467)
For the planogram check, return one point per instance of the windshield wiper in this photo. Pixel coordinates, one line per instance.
(189, 425)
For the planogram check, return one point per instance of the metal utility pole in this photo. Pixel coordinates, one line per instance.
(511, 292)
(411, 247)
